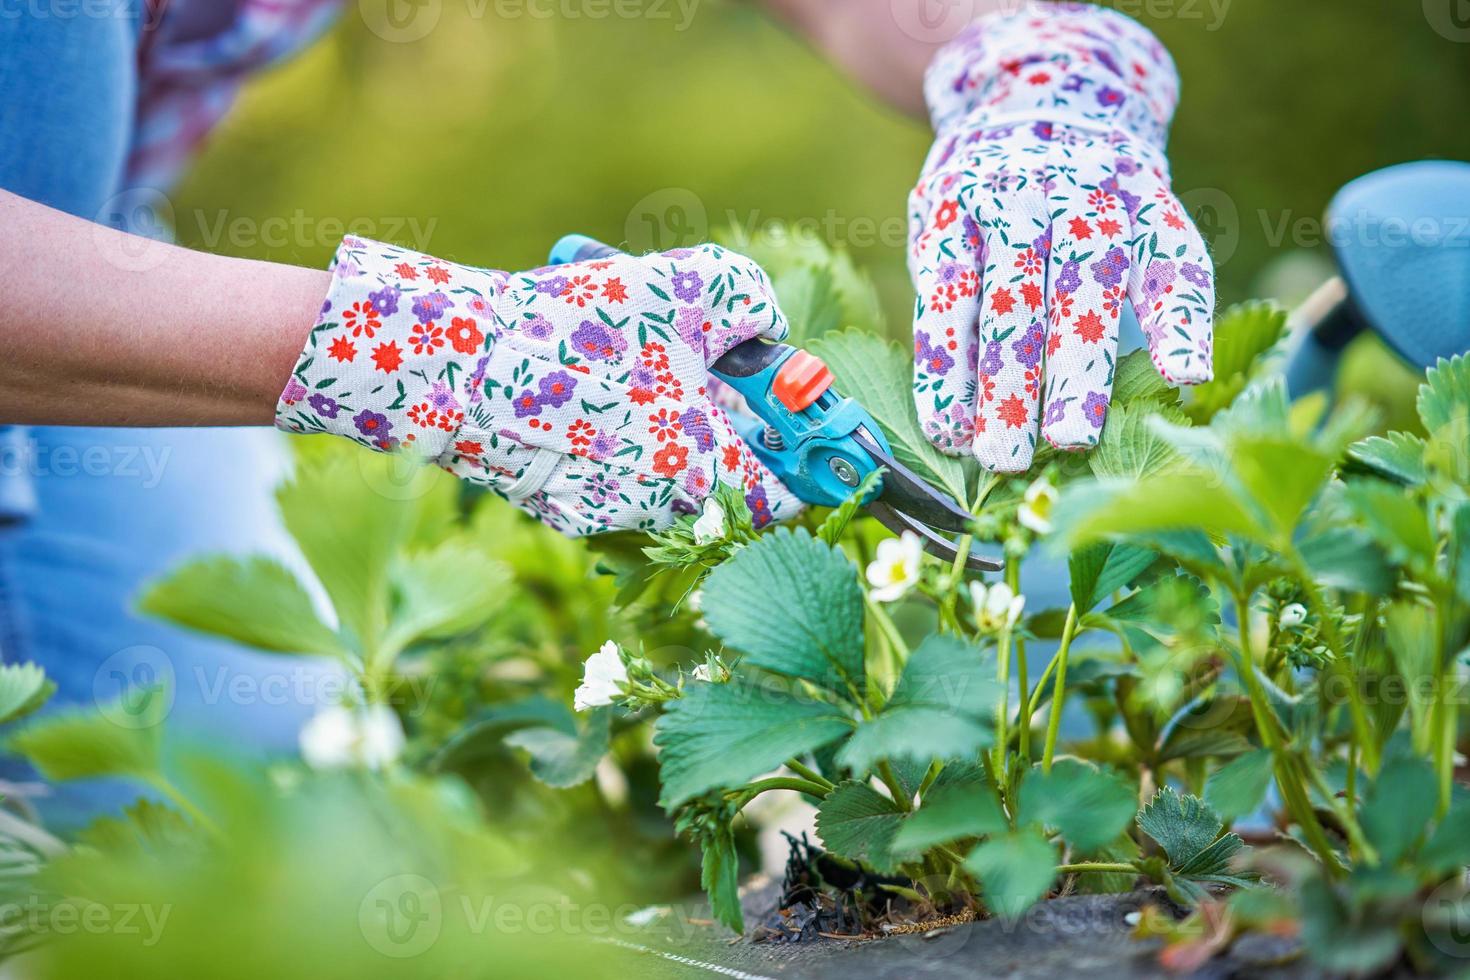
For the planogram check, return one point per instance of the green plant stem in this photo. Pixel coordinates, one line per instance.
(898, 651)
(809, 774)
(885, 773)
(1023, 721)
(1345, 816)
(752, 790)
(1003, 710)
(935, 768)
(1341, 663)
(1101, 867)
(1287, 779)
(1445, 713)
(161, 783)
(1059, 688)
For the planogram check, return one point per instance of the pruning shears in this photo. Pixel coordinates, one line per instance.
(817, 442)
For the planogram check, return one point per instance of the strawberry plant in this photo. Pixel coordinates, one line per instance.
(1250, 582)
(1264, 624)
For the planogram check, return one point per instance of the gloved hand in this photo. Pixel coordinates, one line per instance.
(580, 392)
(1044, 206)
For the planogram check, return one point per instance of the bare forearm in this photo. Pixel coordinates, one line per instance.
(103, 328)
(885, 44)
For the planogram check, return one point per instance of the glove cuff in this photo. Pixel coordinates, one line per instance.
(1049, 63)
(397, 355)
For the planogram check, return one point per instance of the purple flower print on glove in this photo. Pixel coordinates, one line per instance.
(431, 306)
(1028, 348)
(930, 357)
(604, 444)
(1055, 412)
(295, 391)
(527, 403)
(686, 285)
(1195, 275)
(554, 286)
(596, 341)
(556, 388)
(1069, 279)
(536, 326)
(760, 506)
(1095, 408)
(1158, 280)
(1108, 271)
(442, 398)
(372, 424)
(696, 424)
(991, 365)
(385, 301)
(326, 407)
(690, 324)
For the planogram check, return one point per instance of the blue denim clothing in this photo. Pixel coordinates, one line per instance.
(89, 515)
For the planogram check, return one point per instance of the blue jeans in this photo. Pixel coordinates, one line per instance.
(89, 515)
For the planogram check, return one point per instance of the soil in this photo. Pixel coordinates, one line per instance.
(1074, 936)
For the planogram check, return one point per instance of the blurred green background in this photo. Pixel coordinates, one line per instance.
(503, 128)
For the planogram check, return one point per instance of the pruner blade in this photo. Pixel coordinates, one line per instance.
(908, 503)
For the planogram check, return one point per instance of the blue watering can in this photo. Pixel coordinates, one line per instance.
(1401, 237)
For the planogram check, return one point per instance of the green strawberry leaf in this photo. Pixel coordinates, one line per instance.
(564, 759)
(1190, 833)
(1015, 869)
(718, 736)
(949, 813)
(857, 822)
(1238, 788)
(23, 689)
(256, 601)
(1087, 806)
(793, 606)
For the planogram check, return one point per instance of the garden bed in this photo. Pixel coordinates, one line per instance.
(1076, 935)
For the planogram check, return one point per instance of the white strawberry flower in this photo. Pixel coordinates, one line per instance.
(710, 527)
(1292, 615)
(997, 608)
(338, 737)
(1036, 506)
(701, 673)
(895, 570)
(602, 675)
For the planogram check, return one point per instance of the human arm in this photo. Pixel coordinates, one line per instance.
(883, 44)
(581, 392)
(105, 328)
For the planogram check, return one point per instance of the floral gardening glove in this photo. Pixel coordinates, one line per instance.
(1044, 206)
(580, 392)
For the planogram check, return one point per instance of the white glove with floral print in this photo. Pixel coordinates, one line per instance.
(1044, 206)
(580, 392)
